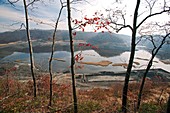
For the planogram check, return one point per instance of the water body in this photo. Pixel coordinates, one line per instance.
(41, 60)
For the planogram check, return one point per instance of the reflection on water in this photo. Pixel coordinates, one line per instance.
(63, 63)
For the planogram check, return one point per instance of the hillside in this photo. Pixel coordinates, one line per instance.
(108, 44)
(93, 97)
(20, 35)
(146, 44)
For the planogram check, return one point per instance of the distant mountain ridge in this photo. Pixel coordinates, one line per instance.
(109, 44)
(163, 53)
(20, 35)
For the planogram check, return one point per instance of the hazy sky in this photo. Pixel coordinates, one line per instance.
(46, 12)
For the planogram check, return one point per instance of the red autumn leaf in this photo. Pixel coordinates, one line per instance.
(107, 22)
(95, 18)
(74, 33)
(80, 67)
(88, 45)
(81, 44)
(94, 47)
(76, 58)
(81, 58)
(85, 18)
(76, 21)
(102, 23)
(89, 22)
(84, 24)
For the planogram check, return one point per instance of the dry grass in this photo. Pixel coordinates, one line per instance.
(58, 59)
(106, 63)
(125, 65)
(165, 62)
(101, 63)
(18, 97)
(137, 63)
(120, 64)
(7, 44)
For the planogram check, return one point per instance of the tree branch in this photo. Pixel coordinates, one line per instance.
(151, 15)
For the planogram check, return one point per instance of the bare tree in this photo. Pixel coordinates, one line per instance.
(128, 72)
(116, 15)
(116, 19)
(52, 51)
(31, 2)
(30, 48)
(63, 4)
(72, 56)
(156, 47)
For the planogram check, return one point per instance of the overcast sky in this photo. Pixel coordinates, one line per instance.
(46, 12)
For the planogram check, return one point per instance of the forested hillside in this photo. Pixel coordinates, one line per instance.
(108, 44)
(20, 35)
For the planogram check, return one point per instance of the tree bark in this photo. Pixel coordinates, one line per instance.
(72, 57)
(132, 54)
(168, 105)
(51, 57)
(143, 82)
(154, 53)
(30, 48)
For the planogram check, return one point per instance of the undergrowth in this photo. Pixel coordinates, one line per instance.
(17, 96)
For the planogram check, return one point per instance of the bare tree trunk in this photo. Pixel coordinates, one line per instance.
(30, 48)
(50, 67)
(143, 82)
(72, 57)
(52, 53)
(154, 53)
(129, 68)
(168, 105)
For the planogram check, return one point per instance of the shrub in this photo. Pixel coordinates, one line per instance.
(149, 108)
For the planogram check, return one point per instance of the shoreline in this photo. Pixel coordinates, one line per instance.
(102, 79)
